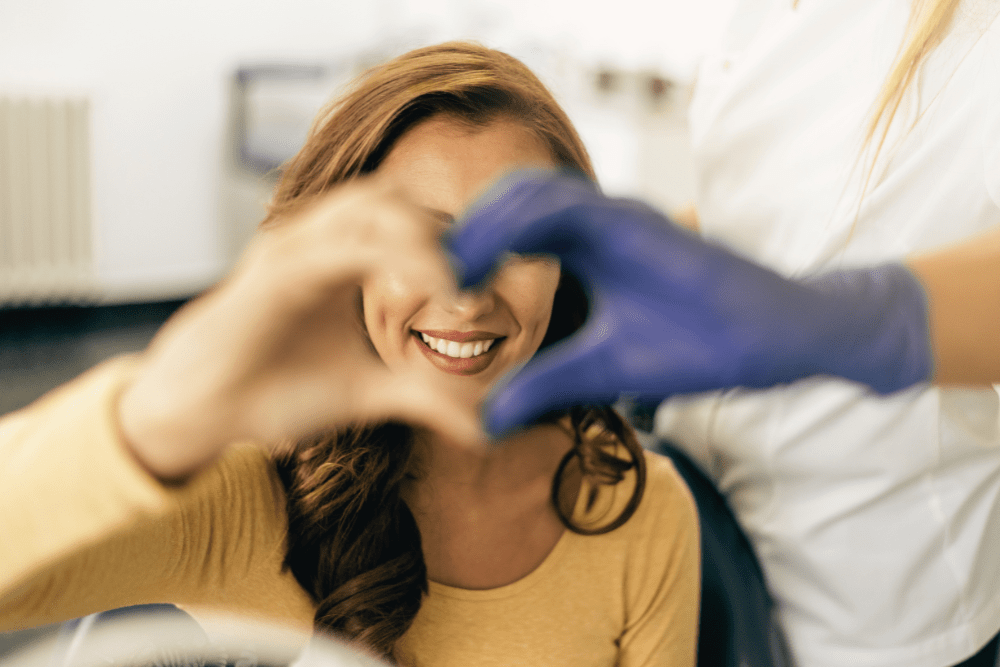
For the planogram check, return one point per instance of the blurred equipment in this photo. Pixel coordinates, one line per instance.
(271, 108)
(163, 636)
(45, 200)
(634, 124)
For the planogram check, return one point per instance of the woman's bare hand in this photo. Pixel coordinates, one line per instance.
(277, 350)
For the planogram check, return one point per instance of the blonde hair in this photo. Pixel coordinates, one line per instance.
(929, 21)
(928, 24)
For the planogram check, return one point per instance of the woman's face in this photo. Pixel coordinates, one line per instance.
(471, 339)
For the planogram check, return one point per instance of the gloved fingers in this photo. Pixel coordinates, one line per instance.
(572, 373)
(529, 211)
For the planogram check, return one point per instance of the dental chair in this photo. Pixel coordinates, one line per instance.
(737, 627)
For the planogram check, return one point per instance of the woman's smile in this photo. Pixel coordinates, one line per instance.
(460, 353)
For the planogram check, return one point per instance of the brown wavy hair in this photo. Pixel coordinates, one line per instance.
(352, 542)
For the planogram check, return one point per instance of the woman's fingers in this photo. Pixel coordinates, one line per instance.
(360, 391)
(415, 400)
(531, 211)
(347, 235)
(278, 349)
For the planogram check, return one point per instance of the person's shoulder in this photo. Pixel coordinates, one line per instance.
(666, 496)
(663, 535)
(660, 472)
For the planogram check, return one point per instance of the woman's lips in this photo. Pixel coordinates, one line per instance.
(457, 365)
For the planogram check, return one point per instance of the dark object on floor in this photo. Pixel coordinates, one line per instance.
(737, 627)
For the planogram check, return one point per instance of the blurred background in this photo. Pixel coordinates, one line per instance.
(138, 140)
(126, 168)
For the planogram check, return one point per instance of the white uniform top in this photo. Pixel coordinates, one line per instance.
(876, 519)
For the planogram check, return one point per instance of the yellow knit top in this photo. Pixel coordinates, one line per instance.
(83, 528)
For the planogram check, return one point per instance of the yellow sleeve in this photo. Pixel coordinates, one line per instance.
(83, 528)
(663, 578)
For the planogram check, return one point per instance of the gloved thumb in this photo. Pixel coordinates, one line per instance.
(524, 212)
(567, 375)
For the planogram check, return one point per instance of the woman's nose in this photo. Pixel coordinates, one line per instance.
(472, 304)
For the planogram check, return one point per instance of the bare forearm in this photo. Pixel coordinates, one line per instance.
(963, 289)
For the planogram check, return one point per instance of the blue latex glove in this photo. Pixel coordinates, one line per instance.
(671, 313)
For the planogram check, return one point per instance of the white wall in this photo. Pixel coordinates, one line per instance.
(158, 76)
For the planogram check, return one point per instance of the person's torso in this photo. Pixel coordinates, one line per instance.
(868, 513)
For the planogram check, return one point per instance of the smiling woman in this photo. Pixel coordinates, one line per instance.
(442, 165)
(378, 514)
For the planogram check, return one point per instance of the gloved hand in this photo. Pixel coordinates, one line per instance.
(671, 313)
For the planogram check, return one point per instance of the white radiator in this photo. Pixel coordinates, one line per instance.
(46, 244)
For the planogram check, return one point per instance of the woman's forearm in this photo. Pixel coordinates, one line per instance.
(68, 482)
(963, 290)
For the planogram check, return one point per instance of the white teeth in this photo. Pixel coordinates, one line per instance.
(455, 349)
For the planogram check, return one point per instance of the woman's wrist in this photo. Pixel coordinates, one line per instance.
(874, 326)
(170, 442)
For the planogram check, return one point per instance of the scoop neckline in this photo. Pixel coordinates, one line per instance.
(580, 511)
(507, 590)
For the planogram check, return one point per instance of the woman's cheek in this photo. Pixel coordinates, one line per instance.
(528, 286)
(388, 304)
